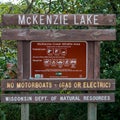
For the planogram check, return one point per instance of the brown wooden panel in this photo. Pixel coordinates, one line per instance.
(59, 35)
(57, 98)
(60, 19)
(20, 60)
(57, 84)
(92, 107)
(96, 60)
(90, 60)
(26, 59)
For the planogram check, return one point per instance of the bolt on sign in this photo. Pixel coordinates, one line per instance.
(58, 60)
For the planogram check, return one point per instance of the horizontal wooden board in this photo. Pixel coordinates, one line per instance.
(52, 84)
(57, 98)
(59, 19)
(59, 35)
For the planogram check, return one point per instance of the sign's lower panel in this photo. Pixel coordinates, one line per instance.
(57, 98)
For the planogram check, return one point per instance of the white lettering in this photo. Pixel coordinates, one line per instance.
(96, 98)
(49, 19)
(56, 18)
(95, 20)
(65, 19)
(60, 19)
(69, 98)
(41, 20)
(28, 20)
(40, 98)
(89, 19)
(18, 99)
(6, 98)
(21, 19)
(53, 98)
(35, 19)
(75, 20)
(82, 20)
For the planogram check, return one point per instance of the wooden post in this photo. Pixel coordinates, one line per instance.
(92, 111)
(24, 111)
(91, 106)
(24, 107)
(94, 72)
(94, 63)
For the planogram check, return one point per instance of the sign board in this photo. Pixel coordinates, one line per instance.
(57, 98)
(67, 58)
(59, 19)
(43, 84)
(59, 35)
(58, 60)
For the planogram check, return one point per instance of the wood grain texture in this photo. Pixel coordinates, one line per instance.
(59, 35)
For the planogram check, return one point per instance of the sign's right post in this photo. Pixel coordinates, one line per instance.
(93, 73)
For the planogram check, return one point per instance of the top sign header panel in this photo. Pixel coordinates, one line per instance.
(60, 19)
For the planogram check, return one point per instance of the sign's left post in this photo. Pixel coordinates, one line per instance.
(24, 107)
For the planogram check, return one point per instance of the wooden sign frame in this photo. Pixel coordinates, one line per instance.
(92, 36)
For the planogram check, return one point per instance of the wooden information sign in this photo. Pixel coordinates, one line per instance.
(57, 84)
(57, 98)
(46, 56)
(58, 60)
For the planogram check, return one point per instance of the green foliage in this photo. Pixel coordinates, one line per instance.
(7, 55)
(2, 115)
(110, 59)
(68, 111)
(110, 111)
(10, 111)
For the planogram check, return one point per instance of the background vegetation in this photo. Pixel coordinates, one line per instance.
(110, 59)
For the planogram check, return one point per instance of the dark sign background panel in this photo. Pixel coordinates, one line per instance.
(58, 60)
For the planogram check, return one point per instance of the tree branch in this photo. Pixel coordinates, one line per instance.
(11, 8)
(50, 2)
(27, 2)
(29, 6)
(62, 3)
